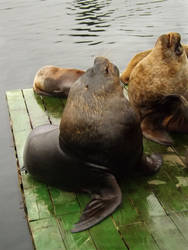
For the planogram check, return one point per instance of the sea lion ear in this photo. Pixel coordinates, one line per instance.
(103, 203)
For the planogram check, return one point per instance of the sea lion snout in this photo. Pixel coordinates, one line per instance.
(170, 43)
(103, 65)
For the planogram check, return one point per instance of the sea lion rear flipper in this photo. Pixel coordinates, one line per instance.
(155, 124)
(103, 203)
(178, 120)
(151, 132)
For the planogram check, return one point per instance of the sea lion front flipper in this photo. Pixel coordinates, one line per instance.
(106, 197)
(151, 132)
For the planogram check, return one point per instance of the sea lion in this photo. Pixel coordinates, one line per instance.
(55, 81)
(158, 89)
(135, 60)
(99, 140)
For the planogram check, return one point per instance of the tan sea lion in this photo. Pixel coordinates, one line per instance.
(99, 142)
(136, 59)
(158, 89)
(55, 81)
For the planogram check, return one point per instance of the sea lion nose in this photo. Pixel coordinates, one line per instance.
(101, 60)
(173, 37)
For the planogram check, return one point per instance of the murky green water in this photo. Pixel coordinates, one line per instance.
(68, 34)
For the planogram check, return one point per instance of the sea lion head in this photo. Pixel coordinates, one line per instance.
(170, 47)
(103, 73)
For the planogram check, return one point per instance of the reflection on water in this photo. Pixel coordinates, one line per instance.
(95, 20)
(91, 18)
(71, 33)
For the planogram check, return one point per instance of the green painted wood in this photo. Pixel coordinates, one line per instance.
(126, 213)
(37, 199)
(153, 214)
(169, 196)
(166, 234)
(46, 234)
(54, 107)
(181, 221)
(15, 100)
(81, 241)
(143, 198)
(35, 108)
(104, 234)
(64, 202)
(138, 237)
(19, 120)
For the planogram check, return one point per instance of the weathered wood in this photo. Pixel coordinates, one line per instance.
(81, 241)
(46, 234)
(154, 210)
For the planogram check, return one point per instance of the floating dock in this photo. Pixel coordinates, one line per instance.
(154, 211)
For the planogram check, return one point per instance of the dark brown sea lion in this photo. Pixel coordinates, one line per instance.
(135, 60)
(99, 141)
(55, 81)
(158, 89)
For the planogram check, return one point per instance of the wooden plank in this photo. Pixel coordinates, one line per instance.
(181, 221)
(169, 196)
(36, 108)
(63, 202)
(18, 113)
(46, 234)
(128, 219)
(154, 210)
(37, 199)
(165, 233)
(81, 241)
(100, 232)
(138, 237)
(15, 100)
(54, 107)
(126, 214)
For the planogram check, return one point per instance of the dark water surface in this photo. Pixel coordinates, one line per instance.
(68, 34)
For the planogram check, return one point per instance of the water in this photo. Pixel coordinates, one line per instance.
(67, 34)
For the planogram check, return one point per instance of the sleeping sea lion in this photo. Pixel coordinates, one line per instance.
(99, 140)
(136, 59)
(158, 89)
(55, 81)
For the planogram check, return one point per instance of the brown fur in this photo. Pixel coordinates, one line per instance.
(55, 81)
(162, 73)
(135, 60)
